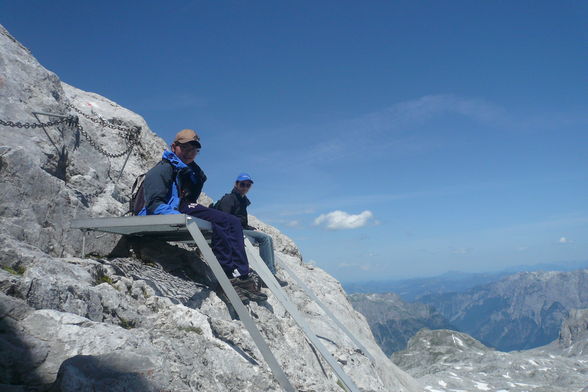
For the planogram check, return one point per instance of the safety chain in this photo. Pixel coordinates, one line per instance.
(101, 121)
(93, 195)
(70, 120)
(132, 135)
(131, 138)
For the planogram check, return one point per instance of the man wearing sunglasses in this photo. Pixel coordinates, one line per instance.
(236, 203)
(173, 187)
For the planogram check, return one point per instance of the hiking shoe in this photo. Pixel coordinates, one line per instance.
(282, 283)
(248, 288)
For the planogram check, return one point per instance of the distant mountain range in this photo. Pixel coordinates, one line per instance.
(512, 312)
(392, 321)
(520, 311)
(451, 281)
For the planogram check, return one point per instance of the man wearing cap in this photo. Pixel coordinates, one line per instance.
(173, 186)
(235, 203)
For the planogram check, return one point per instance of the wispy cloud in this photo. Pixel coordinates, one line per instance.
(340, 220)
(386, 131)
(564, 240)
(461, 251)
(174, 101)
(363, 266)
(559, 221)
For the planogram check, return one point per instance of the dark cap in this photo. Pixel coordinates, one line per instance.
(187, 136)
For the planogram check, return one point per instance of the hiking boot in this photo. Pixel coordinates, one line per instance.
(223, 296)
(247, 288)
(259, 283)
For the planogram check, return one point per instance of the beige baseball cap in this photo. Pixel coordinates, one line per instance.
(187, 136)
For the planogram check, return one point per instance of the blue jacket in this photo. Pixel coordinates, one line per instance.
(167, 182)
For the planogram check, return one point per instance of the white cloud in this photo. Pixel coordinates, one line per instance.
(293, 223)
(564, 240)
(339, 220)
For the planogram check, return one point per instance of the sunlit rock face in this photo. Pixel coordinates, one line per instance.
(148, 319)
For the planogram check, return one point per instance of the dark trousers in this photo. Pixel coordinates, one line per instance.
(227, 237)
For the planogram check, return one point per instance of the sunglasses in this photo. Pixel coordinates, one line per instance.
(245, 184)
(189, 147)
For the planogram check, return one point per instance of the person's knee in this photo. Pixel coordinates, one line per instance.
(233, 220)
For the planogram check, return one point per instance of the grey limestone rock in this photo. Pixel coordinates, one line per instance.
(574, 329)
(114, 372)
(445, 360)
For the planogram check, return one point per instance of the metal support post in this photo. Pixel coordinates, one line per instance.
(312, 296)
(125, 164)
(44, 130)
(84, 243)
(230, 292)
(271, 282)
(49, 114)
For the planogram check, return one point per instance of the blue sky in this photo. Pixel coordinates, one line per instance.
(388, 139)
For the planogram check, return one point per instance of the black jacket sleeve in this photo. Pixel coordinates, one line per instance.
(227, 204)
(157, 186)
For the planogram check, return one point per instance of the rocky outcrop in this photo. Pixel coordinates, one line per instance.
(445, 361)
(521, 311)
(393, 321)
(147, 319)
(574, 328)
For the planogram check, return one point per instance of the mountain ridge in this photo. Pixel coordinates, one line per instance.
(520, 311)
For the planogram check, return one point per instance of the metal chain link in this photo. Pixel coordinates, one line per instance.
(132, 135)
(132, 140)
(93, 195)
(70, 120)
(100, 121)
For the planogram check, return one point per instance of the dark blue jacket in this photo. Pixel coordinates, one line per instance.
(168, 182)
(236, 204)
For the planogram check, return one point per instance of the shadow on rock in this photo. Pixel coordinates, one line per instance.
(183, 261)
(19, 359)
(113, 372)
